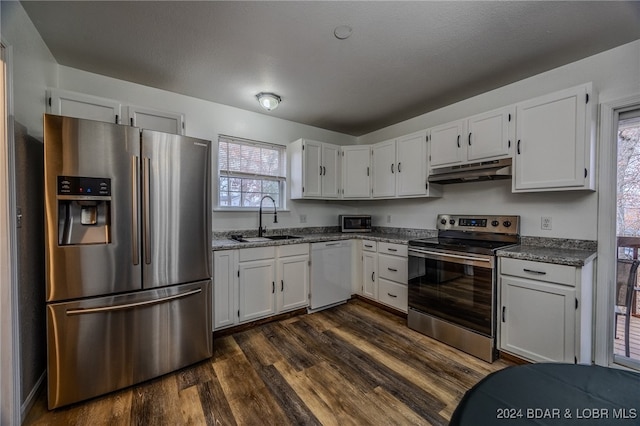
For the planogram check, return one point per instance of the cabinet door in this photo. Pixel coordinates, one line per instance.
(537, 320)
(551, 141)
(330, 170)
(411, 154)
(312, 169)
(447, 144)
(384, 169)
(293, 283)
(225, 288)
(370, 275)
(257, 289)
(161, 121)
(78, 105)
(356, 171)
(489, 134)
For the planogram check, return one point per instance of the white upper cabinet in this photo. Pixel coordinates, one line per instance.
(446, 143)
(78, 105)
(411, 154)
(314, 169)
(486, 136)
(490, 135)
(356, 171)
(384, 169)
(400, 168)
(161, 121)
(555, 147)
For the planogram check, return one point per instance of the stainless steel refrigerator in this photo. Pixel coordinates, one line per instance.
(128, 271)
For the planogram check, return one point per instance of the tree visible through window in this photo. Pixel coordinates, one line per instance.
(249, 170)
(628, 212)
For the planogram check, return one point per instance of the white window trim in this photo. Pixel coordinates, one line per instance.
(283, 178)
(606, 261)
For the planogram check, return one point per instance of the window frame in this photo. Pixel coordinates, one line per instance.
(281, 178)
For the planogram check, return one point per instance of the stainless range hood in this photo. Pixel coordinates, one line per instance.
(486, 170)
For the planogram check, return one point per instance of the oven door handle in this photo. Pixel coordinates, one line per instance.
(454, 258)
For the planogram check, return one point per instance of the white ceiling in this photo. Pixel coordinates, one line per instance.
(402, 60)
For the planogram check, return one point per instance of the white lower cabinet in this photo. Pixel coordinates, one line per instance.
(293, 277)
(257, 288)
(256, 283)
(384, 273)
(545, 311)
(369, 269)
(225, 288)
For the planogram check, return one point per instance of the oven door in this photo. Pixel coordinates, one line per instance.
(453, 287)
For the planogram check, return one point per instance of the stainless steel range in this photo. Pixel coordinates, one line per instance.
(452, 281)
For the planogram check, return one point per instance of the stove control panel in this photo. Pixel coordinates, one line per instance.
(479, 223)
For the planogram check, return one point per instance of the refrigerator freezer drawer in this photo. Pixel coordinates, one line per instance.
(98, 345)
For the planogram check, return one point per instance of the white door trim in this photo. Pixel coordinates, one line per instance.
(9, 343)
(606, 271)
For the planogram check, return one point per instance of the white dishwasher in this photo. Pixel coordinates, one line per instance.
(330, 274)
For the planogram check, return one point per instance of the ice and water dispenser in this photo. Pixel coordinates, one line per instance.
(84, 210)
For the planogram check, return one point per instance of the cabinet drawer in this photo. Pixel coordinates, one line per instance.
(293, 250)
(393, 268)
(392, 294)
(394, 249)
(257, 253)
(548, 272)
(368, 245)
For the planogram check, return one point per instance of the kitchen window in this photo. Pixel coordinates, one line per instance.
(247, 171)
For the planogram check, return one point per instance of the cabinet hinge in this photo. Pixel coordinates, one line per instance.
(576, 303)
(585, 172)
(117, 119)
(587, 100)
(49, 100)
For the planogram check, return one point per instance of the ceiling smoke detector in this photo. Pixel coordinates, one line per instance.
(268, 101)
(342, 32)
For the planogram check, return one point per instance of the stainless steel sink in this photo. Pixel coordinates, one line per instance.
(283, 237)
(242, 239)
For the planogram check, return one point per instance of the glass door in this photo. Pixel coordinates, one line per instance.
(626, 310)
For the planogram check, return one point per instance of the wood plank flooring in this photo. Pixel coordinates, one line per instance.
(354, 364)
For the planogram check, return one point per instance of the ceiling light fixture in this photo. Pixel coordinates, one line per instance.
(268, 101)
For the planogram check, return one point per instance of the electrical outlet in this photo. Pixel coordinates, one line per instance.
(388, 218)
(303, 218)
(545, 223)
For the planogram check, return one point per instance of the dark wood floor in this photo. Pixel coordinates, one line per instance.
(352, 364)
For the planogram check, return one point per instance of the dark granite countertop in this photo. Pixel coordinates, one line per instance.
(397, 237)
(547, 254)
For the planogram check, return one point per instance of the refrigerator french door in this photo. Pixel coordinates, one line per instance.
(127, 257)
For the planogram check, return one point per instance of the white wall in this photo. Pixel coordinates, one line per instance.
(206, 120)
(34, 68)
(614, 73)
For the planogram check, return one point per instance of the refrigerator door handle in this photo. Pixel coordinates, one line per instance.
(134, 209)
(147, 215)
(113, 308)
